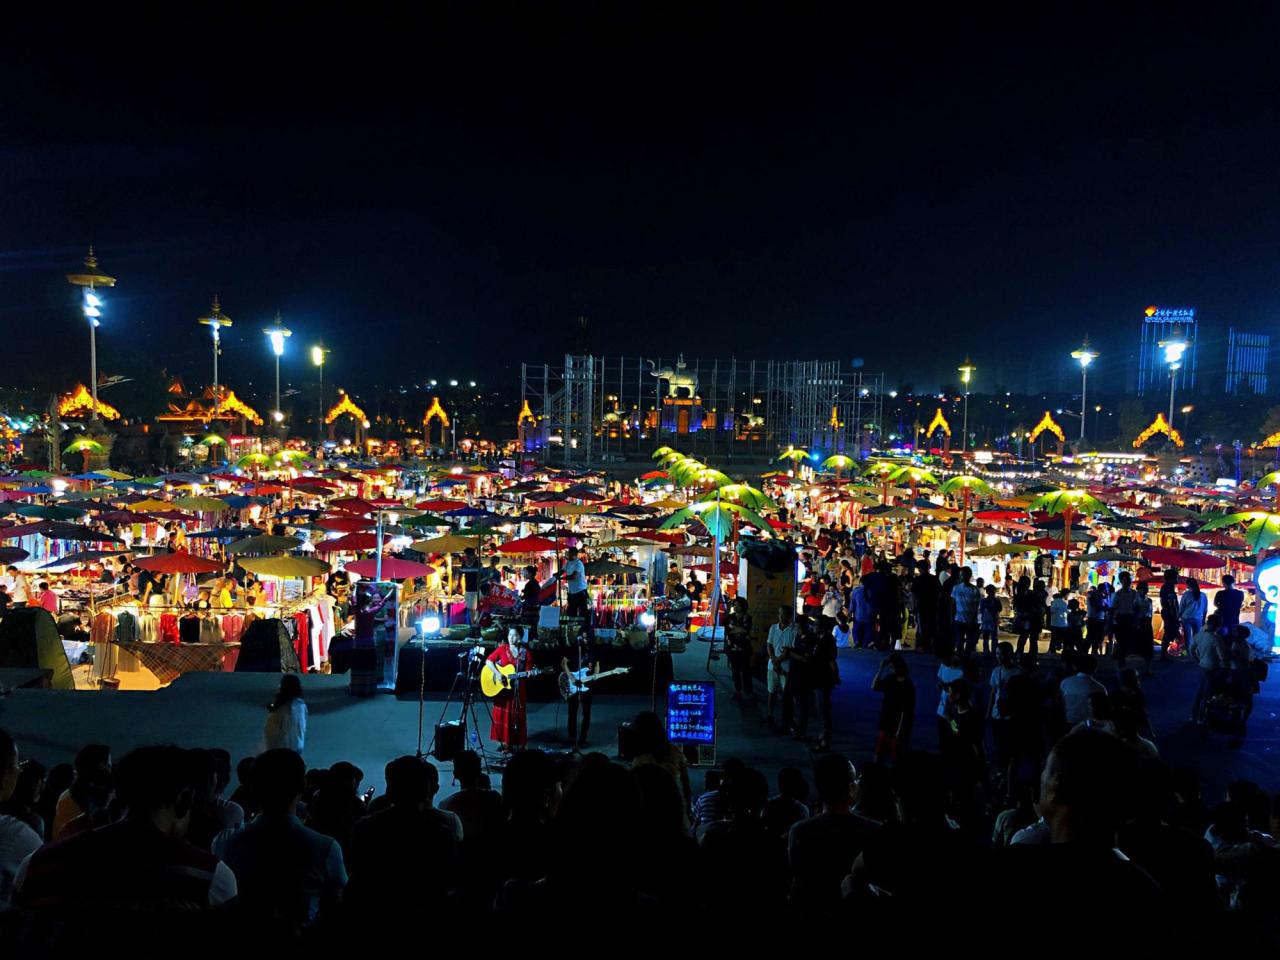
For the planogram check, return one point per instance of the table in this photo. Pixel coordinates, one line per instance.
(168, 661)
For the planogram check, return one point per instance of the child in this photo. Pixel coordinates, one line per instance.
(989, 610)
(1075, 626)
(843, 629)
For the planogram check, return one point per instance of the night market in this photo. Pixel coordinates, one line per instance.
(609, 500)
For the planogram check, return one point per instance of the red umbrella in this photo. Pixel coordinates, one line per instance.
(344, 524)
(438, 506)
(352, 542)
(178, 562)
(1000, 515)
(393, 568)
(314, 482)
(654, 475)
(779, 525)
(657, 536)
(1183, 559)
(264, 490)
(528, 545)
(1216, 538)
(1045, 543)
(353, 505)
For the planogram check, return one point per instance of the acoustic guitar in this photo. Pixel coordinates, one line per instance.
(495, 679)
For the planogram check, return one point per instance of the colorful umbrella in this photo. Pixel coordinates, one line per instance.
(263, 544)
(352, 542)
(284, 567)
(1183, 559)
(177, 562)
(527, 545)
(393, 568)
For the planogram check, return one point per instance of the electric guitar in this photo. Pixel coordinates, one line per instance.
(572, 684)
(496, 679)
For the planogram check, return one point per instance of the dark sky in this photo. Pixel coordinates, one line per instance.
(440, 193)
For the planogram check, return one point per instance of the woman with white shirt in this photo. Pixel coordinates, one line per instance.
(287, 717)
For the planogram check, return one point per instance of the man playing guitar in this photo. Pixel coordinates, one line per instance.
(579, 691)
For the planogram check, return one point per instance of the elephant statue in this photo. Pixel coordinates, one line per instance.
(679, 384)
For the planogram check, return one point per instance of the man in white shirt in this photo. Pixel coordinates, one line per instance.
(17, 840)
(782, 637)
(574, 575)
(1076, 690)
(19, 589)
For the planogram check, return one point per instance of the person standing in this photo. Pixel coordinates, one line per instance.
(1206, 651)
(965, 599)
(20, 588)
(1144, 611)
(574, 575)
(46, 599)
(824, 675)
(926, 588)
(1169, 611)
(799, 692)
(1191, 612)
(1124, 617)
(1058, 622)
(510, 707)
(989, 619)
(579, 691)
(469, 581)
(897, 708)
(1096, 620)
(864, 627)
(782, 637)
(1227, 604)
(737, 637)
(286, 726)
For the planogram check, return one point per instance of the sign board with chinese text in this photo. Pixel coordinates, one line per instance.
(691, 712)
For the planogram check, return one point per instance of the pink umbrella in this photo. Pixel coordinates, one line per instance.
(528, 545)
(1183, 559)
(393, 568)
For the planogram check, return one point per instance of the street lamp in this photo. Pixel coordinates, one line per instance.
(215, 322)
(966, 374)
(1173, 349)
(318, 353)
(276, 335)
(1086, 356)
(88, 280)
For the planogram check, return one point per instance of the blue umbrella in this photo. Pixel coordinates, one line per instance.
(39, 488)
(225, 533)
(463, 512)
(90, 476)
(297, 512)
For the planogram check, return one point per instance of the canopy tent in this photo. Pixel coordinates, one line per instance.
(29, 640)
(284, 567)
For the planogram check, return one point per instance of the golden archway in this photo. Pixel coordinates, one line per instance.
(938, 421)
(230, 403)
(80, 401)
(345, 406)
(1047, 423)
(435, 412)
(1161, 425)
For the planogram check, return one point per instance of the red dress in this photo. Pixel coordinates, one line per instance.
(509, 708)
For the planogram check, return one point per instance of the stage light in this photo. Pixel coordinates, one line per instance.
(92, 299)
(429, 625)
(647, 619)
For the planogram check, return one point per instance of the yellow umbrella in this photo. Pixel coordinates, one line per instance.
(1001, 550)
(449, 543)
(145, 506)
(284, 566)
(202, 504)
(1015, 503)
(668, 503)
(115, 474)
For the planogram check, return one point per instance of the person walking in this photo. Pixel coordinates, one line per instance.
(782, 637)
(1169, 612)
(737, 633)
(286, 726)
(897, 708)
(965, 600)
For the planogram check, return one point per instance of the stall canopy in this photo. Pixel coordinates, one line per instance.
(29, 640)
(177, 562)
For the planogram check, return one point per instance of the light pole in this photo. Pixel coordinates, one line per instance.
(1173, 349)
(215, 322)
(277, 336)
(88, 281)
(1086, 356)
(966, 374)
(318, 353)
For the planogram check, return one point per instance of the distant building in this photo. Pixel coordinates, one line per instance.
(1162, 324)
(1247, 357)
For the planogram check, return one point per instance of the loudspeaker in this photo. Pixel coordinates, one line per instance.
(449, 740)
(626, 741)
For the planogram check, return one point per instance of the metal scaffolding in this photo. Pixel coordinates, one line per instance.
(599, 409)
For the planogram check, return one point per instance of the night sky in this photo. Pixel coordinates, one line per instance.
(441, 193)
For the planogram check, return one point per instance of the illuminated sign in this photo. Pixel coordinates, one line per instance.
(691, 712)
(1267, 579)
(345, 405)
(1170, 313)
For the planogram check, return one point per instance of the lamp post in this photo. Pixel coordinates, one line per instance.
(1086, 356)
(89, 280)
(318, 353)
(1173, 349)
(966, 374)
(215, 322)
(277, 335)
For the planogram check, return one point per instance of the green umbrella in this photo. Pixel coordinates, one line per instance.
(794, 454)
(202, 504)
(263, 544)
(838, 462)
(284, 566)
(968, 485)
(1070, 504)
(211, 439)
(717, 517)
(742, 494)
(1262, 527)
(41, 512)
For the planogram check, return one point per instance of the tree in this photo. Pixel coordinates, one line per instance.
(1270, 423)
(1132, 419)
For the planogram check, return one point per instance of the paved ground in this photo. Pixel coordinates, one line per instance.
(228, 709)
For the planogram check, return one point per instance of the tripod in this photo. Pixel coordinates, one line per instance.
(465, 685)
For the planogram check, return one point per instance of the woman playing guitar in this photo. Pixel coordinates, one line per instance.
(510, 706)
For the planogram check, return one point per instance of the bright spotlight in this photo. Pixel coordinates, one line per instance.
(429, 625)
(647, 619)
(92, 299)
